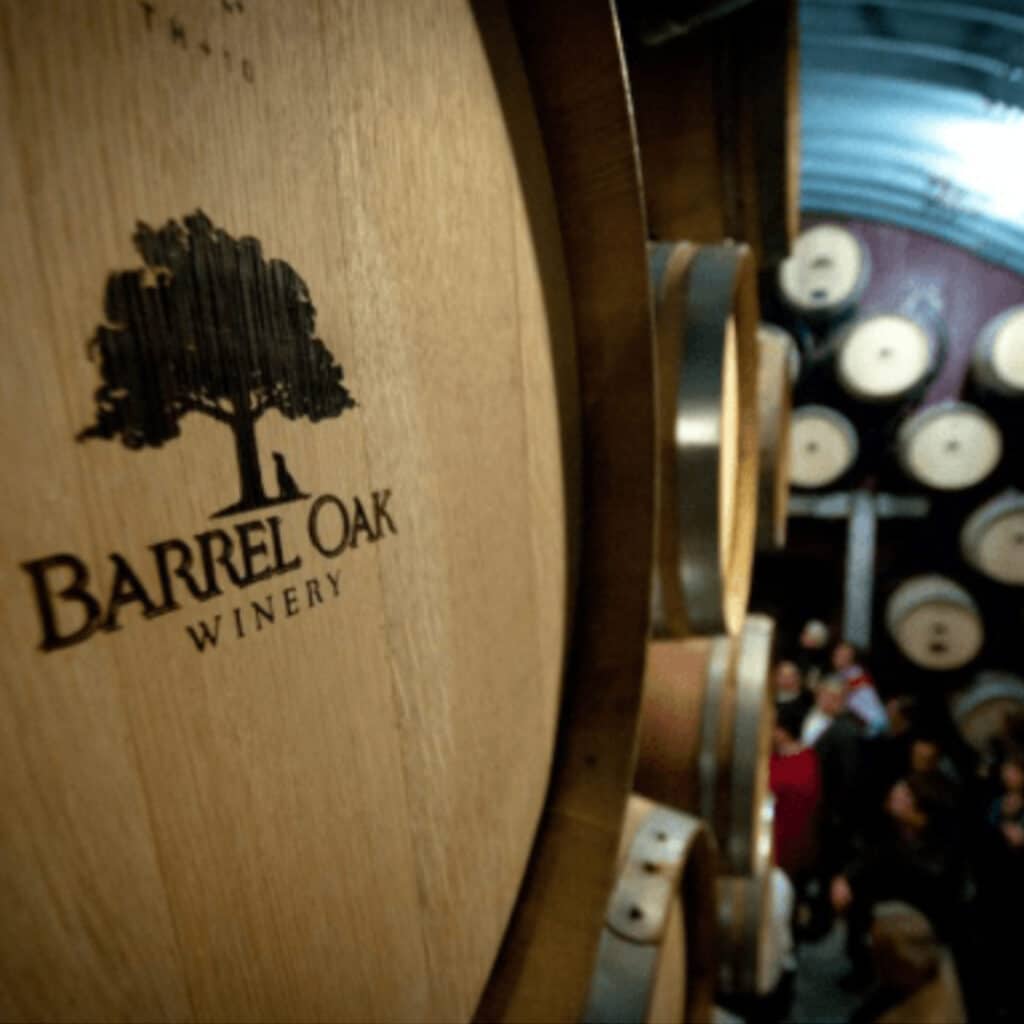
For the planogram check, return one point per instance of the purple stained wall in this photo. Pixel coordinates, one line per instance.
(911, 270)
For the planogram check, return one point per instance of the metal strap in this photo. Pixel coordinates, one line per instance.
(638, 912)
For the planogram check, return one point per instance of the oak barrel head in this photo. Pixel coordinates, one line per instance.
(296, 459)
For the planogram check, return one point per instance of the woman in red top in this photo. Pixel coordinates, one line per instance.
(795, 781)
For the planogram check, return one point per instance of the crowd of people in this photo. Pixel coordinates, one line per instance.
(886, 820)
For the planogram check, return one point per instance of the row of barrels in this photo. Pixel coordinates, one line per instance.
(885, 356)
(947, 447)
(680, 931)
(347, 473)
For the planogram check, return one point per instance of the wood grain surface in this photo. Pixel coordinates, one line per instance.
(544, 967)
(326, 814)
(717, 113)
(775, 403)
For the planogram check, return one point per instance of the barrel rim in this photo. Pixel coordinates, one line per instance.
(717, 592)
(986, 515)
(986, 685)
(913, 591)
(841, 342)
(923, 417)
(835, 310)
(775, 403)
(982, 368)
(842, 423)
(586, 125)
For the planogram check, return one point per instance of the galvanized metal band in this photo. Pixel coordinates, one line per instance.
(750, 744)
(717, 679)
(744, 914)
(923, 590)
(638, 913)
(988, 686)
(698, 433)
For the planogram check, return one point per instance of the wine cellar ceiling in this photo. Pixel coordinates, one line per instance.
(913, 113)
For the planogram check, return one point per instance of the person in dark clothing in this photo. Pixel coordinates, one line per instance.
(839, 750)
(1000, 898)
(813, 657)
(913, 861)
(792, 699)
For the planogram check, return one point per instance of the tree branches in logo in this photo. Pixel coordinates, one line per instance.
(209, 325)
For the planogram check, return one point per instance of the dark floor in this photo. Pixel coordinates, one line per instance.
(818, 998)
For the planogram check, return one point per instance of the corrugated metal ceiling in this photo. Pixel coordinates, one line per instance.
(913, 113)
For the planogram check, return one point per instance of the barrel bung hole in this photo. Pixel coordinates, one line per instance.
(819, 294)
(811, 447)
(938, 647)
(952, 446)
(635, 913)
(661, 836)
(650, 867)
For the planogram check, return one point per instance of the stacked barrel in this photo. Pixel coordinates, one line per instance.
(348, 471)
(865, 416)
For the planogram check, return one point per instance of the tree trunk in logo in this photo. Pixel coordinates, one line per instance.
(243, 425)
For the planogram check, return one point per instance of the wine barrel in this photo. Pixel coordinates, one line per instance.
(823, 446)
(998, 361)
(884, 357)
(287, 734)
(982, 709)
(656, 961)
(745, 918)
(827, 273)
(992, 538)
(775, 401)
(793, 360)
(705, 734)
(950, 446)
(706, 315)
(935, 622)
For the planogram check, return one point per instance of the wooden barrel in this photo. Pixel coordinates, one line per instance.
(884, 357)
(935, 622)
(992, 538)
(775, 403)
(950, 446)
(745, 917)
(793, 361)
(998, 361)
(705, 734)
(981, 710)
(656, 962)
(823, 446)
(287, 731)
(706, 315)
(827, 273)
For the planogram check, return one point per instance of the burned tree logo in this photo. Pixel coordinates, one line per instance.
(209, 325)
